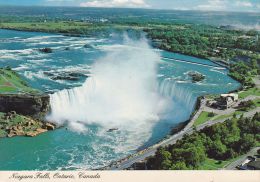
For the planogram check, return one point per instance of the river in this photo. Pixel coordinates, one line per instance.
(69, 149)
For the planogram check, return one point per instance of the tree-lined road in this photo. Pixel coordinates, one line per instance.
(233, 165)
(142, 155)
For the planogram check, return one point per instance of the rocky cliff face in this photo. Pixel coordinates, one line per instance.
(32, 105)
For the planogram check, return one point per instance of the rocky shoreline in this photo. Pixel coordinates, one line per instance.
(23, 109)
(24, 115)
(13, 124)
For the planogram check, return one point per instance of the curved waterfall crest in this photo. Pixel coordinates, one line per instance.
(122, 89)
(170, 88)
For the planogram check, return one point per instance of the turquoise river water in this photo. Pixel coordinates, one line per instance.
(71, 148)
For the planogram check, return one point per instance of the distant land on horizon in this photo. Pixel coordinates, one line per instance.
(249, 20)
(133, 8)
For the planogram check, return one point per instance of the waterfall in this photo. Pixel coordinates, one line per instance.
(170, 88)
(122, 91)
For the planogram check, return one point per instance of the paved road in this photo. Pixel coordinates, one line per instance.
(140, 156)
(232, 166)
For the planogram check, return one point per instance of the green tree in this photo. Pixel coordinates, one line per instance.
(247, 142)
(217, 150)
(179, 166)
(162, 159)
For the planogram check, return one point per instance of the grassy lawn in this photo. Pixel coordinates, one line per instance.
(7, 89)
(203, 117)
(10, 82)
(225, 116)
(257, 102)
(212, 164)
(239, 112)
(251, 91)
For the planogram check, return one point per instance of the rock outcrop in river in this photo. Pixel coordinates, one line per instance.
(196, 76)
(46, 50)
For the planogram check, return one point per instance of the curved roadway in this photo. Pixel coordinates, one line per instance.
(142, 155)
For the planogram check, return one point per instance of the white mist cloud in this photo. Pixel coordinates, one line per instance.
(115, 3)
(123, 92)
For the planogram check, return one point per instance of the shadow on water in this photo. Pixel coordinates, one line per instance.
(164, 127)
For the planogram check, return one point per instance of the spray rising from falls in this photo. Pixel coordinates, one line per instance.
(122, 90)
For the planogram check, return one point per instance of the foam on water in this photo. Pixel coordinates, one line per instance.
(217, 70)
(32, 75)
(67, 150)
(122, 92)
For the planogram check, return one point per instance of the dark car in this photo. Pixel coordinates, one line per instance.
(251, 158)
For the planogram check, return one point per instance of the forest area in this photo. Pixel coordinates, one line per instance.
(221, 142)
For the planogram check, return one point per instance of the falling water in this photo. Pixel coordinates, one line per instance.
(122, 90)
(170, 88)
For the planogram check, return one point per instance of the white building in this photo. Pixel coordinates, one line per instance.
(227, 100)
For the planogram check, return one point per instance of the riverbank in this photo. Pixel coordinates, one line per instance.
(180, 128)
(67, 28)
(138, 160)
(189, 39)
(53, 132)
(22, 108)
(13, 124)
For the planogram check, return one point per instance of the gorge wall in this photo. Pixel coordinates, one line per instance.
(32, 105)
